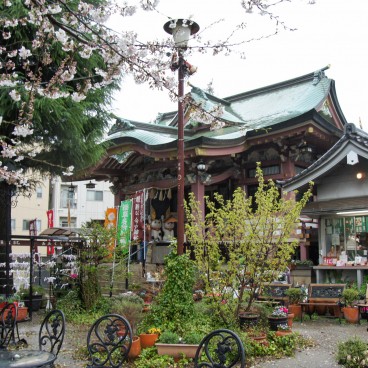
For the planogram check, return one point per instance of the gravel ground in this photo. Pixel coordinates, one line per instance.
(326, 333)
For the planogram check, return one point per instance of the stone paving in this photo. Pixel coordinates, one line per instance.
(326, 333)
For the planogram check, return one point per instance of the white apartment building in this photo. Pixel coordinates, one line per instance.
(83, 204)
(26, 209)
(74, 200)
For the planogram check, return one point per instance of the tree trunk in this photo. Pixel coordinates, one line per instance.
(6, 281)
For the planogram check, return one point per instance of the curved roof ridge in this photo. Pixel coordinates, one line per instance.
(314, 77)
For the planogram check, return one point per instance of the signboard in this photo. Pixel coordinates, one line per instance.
(124, 224)
(138, 216)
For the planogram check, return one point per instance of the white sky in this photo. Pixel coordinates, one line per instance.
(330, 32)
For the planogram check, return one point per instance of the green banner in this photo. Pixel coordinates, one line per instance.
(124, 225)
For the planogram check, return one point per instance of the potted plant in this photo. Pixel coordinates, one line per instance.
(350, 296)
(170, 343)
(149, 337)
(283, 329)
(295, 296)
(257, 334)
(278, 317)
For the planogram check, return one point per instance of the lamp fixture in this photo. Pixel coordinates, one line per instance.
(90, 185)
(181, 30)
(352, 213)
(201, 167)
(360, 175)
(71, 188)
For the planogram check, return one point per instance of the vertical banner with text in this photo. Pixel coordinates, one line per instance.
(110, 223)
(138, 216)
(124, 225)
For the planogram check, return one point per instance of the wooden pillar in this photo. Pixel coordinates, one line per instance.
(198, 190)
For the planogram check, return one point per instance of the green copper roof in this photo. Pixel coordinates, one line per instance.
(242, 114)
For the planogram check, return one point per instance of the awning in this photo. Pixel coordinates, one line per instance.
(331, 207)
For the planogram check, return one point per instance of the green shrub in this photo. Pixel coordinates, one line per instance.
(350, 296)
(70, 304)
(129, 309)
(169, 337)
(149, 359)
(193, 338)
(353, 353)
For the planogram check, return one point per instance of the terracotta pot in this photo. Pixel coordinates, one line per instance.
(148, 340)
(283, 333)
(177, 350)
(351, 314)
(135, 349)
(22, 313)
(290, 319)
(260, 339)
(295, 309)
(2, 305)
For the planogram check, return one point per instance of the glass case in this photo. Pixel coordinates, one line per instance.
(346, 238)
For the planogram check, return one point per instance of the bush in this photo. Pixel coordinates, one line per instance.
(131, 310)
(149, 359)
(168, 337)
(353, 353)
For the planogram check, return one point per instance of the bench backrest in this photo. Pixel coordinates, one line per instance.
(274, 291)
(325, 292)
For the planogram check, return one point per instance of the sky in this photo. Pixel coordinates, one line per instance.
(329, 32)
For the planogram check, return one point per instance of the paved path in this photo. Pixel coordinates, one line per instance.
(326, 333)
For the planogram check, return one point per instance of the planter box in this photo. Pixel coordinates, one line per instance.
(177, 350)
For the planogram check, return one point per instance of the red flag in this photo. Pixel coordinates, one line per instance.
(50, 218)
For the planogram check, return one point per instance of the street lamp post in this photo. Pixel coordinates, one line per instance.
(181, 30)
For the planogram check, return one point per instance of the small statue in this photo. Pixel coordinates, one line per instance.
(168, 229)
(156, 233)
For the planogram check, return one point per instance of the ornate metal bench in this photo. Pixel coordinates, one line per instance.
(323, 295)
(109, 341)
(8, 320)
(220, 349)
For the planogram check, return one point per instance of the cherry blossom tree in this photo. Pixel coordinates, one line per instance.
(59, 64)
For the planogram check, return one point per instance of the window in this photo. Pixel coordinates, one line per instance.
(26, 225)
(95, 195)
(64, 222)
(39, 192)
(12, 224)
(269, 170)
(67, 197)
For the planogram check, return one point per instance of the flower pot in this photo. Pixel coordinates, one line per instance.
(148, 340)
(135, 349)
(290, 319)
(283, 333)
(351, 314)
(295, 309)
(22, 313)
(2, 305)
(177, 350)
(248, 319)
(274, 322)
(260, 339)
